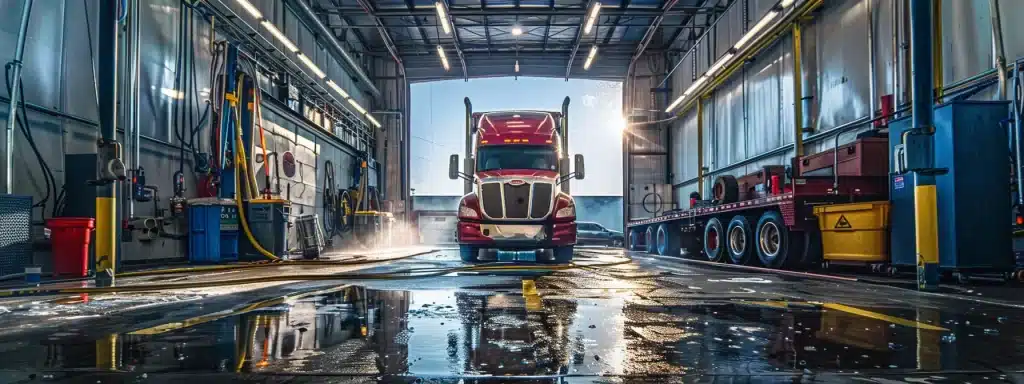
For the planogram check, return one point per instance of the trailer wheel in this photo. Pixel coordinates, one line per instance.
(713, 239)
(649, 245)
(668, 240)
(726, 189)
(634, 239)
(773, 240)
(740, 239)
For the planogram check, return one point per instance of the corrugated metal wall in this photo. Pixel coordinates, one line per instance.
(60, 90)
(751, 114)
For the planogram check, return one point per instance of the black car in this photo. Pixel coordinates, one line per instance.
(589, 233)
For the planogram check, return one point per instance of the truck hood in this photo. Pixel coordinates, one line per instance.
(513, 173)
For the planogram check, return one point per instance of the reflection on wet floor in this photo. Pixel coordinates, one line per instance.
(536, 329)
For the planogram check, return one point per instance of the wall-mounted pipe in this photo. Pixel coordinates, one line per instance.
(997, 46)
(1016, 133)
(798, 92)
(132, 128)
(12, 115)
(872, 69)
(309, 18)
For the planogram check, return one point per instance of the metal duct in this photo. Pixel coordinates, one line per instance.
(309, 18)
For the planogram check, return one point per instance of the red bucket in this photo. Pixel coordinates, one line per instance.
(69, 237)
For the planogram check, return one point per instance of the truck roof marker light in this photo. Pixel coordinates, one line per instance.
(756, 28)
(483, 141)
(280, 36)
(444, 59)
(255, 12)
(442, 16)
(592, 18)
(590, 58)
(508, 140)
(547, 141)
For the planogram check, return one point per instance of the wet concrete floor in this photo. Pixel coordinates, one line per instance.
(651, 320)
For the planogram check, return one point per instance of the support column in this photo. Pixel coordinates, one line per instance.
(700, 149)
(798, 91)
(108, 150)
(920, 145)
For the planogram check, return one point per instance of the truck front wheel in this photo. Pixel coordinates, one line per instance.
(562, 255)
(469, 253)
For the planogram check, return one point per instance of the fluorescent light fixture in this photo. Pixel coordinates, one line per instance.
(255, 12)
(442, 16)
(312, 66)
(592, 18)
(786, 3)
(517, 30)
(517, 66)
(590, 58)
(288, 44)
(718, 65)
(172, 93)
(359, 108)
(337, 88)
(444, 59)
(372, 120)
(756, 28)
(693, 87)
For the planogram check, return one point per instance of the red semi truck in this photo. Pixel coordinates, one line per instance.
(517, 193)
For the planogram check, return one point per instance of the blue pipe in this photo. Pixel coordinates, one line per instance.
(920, 145)
(921, 62)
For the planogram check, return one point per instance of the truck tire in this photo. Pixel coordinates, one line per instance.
(713, 239)
(562, 255)
(649, 237)
(773, 241)
(469, 253)
(726, 190)
(668, 240)
(634, 239)
(740, 240)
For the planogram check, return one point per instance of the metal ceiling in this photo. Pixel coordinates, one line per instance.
(551, 44)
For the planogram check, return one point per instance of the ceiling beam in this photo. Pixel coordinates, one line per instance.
(423, 34)
(530, 11)
(693, 28)
(487, 28)
(615, 25)
(389, 43)
(547, 26)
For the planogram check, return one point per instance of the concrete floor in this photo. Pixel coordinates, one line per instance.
(650, 320)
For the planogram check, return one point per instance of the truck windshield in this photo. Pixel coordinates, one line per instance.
(492, 158)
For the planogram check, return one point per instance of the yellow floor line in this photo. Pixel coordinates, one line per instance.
(883, 317)
(530, 295)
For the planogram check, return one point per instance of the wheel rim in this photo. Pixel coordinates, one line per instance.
(770, 240)
(713, 239)
(737, 240)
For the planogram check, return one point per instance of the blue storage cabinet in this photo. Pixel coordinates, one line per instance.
(213, 231)
(973, 197)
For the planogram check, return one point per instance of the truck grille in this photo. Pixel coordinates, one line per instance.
(515, 202)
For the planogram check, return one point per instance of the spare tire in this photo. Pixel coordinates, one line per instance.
(726, 189)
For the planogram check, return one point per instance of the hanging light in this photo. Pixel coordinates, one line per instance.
(288, 44)
(592, 18)
(693, 87)
(786, 3)
(756, 28)
(442, 17)
(337, 88)
(718, 64)
(517, 66)
(255, 12)
(517, 30)
(590, 58)
(312, 66)
(359, 108)
(372, 120)
(444, 59)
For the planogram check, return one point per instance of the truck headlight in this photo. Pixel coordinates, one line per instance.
(467, 212)
(569, 211)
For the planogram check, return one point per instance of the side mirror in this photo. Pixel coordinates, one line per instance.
(580, 171)
(453, 167)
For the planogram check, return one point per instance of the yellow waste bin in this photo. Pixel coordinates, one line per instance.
(856, 232)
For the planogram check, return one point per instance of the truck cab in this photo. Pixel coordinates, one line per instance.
(517, 205)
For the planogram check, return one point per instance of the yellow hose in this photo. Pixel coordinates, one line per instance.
(358, 260)
(240, 167)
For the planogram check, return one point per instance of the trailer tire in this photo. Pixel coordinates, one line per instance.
(634, 239)
(774, 243)
(469, 253)
(740, 240)
(668, 240)
(713, 240)
(726, 189)
(649, 237)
